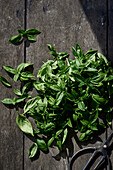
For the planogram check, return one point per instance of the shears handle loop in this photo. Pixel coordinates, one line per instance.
(79, 153)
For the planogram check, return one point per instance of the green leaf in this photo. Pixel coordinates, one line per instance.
(88, 132)
(26, 87)
(16, 76)
(55, 87)
(82, 136)
(79, 51)
(59, 98)
(32, 32)
(81, 106)
(51, 48)
(21, 31)
(17, 92)
(65, 135)
(31, 38)
(93, 127)
(33, 150)
(7, 101)
(59, 132)
(22, 66)
(50, 141)
(10, 69)
(109, 118)
(103, 57)
(98, 99)
(84, 122)
(20, 99)
(30, 103)
(42, 145)
(63, 55)
(39, 86)
(24, 79)
(74, 52)
(15, 39)
(24, 124)
(102, 124)
(69, 123)
(27, 74)
(59, 144)
(5, 81)
(91, 69)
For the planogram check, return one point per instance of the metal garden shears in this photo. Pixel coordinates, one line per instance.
(104, 151)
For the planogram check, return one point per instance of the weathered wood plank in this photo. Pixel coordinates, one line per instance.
(11, 139)
(63, 23)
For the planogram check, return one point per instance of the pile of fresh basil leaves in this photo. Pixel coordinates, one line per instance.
(71, 93)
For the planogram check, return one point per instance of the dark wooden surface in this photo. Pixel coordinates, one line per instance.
(63, 23)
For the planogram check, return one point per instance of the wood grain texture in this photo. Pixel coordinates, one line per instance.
(11, 139)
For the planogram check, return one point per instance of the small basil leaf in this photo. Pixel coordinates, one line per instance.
(59, 144)
(82, 137)
(65, 135)
(42, 145)
(17, 92)
(51, 48)
(10, 69)
(16, 77)
(26, 87)
(31, 38)
(50, 141)
(20, 99)
(21, 31)
(15, 39)
(24, 124)
(81, 106)
(33, 150)
(5, 81)
(22, 66)
(27, 74)
(7, 101)
(98, 99)
(32, 32)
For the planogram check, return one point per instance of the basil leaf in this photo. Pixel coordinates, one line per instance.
(33, 150)
(42, 144)
(81, 106)
(16, 76)
(26, 87)
(74, 52)
(15, 39)
(30, 103)
(24, 124)
(7, 101)
(98, 99)
(21, 31)
(82, 137)
(32, 32)
(5, 81)
(51, 48)
(20, 99)
(22, 66)
(10, 69)
(65, 135)
(17, 92)
(27, 74)
(50, 141)
(59, 144)
(31, 38)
